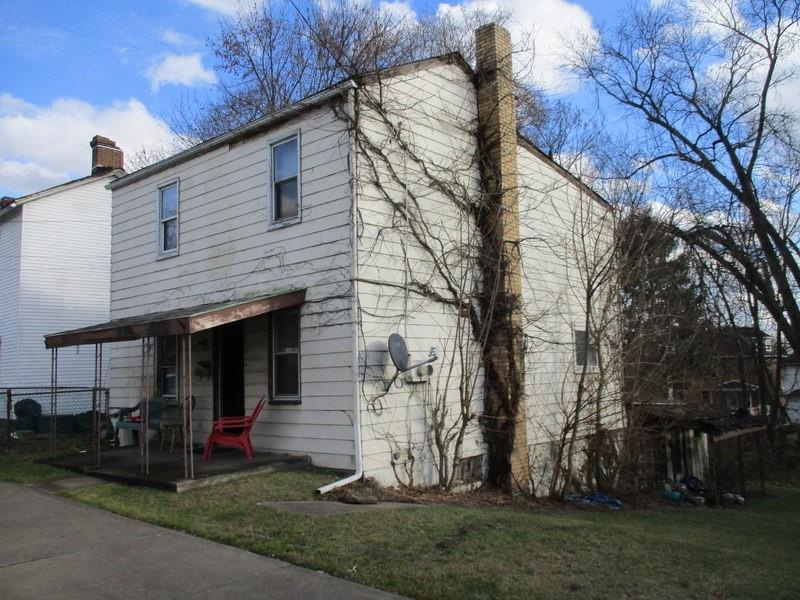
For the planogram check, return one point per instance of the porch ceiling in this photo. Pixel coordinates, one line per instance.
(182, 321)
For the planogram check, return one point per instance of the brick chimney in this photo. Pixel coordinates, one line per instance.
(106, 156)
(504, 359)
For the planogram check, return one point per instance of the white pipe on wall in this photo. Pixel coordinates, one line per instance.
(358, 452)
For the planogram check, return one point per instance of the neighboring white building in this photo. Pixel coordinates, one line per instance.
(56, 251)
(790, 375)
(282, 249)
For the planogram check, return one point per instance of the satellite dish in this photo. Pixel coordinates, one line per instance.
(398, 351)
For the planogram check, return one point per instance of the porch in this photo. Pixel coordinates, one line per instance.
(194, 371)
(166, 470)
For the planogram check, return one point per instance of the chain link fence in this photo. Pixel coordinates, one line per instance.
(61, 412)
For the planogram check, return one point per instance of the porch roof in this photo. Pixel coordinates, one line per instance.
(181, 321)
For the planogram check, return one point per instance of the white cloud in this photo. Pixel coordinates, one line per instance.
(226, 7)
(398, 10)
(178, 39)
(180, 69)
(26, 176)
(550, 21)
(41, 146)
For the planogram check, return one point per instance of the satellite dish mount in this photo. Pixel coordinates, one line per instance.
(398, 351)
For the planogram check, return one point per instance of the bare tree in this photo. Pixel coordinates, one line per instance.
(705, 78)
(272, 54)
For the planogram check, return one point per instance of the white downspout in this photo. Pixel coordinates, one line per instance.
(358, 452)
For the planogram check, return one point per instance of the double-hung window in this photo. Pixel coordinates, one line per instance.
(285, 157)
(167, 366)
(168, 218)
(286, 357)
(585, 350)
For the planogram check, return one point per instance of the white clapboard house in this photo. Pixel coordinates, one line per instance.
(280, 251)
(56, 270)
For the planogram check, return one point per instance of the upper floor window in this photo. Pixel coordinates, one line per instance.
(285, 156)
(585, 349)
(168, 218)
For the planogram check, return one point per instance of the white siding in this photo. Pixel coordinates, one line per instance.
(64, 275)
(10, 246)
(565, 231)
(436, 110)
(55, 277)
(227, 252)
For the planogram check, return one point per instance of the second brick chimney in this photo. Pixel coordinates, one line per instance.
(504, 358)
(106, 156)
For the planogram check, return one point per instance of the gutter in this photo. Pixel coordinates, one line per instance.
(357, 450)
(235, 135)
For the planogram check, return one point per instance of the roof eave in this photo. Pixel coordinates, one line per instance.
(63, 187)
(230, 137)
(531, 147)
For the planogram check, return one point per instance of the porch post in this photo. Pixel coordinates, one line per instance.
(147, 374)
(9, 421)
(98, 359)
(143, 381)
(94, 410)
(146, 415)
(191, 408)
(99, 401)
(53, 398)
(184, 407)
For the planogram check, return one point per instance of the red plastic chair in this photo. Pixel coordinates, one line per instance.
(221, 434)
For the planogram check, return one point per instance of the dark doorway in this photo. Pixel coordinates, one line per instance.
(229, 370)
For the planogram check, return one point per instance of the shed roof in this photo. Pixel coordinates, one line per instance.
(181, 321)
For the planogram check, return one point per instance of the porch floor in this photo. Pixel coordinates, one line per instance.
(166, 470)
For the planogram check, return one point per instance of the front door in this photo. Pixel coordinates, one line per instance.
(229, 370)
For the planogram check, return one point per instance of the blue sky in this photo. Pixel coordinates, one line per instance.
(70, 69)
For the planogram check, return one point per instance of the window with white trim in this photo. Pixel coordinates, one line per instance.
(286, 356)
(285, 173)
(586, 351)
(168, 218)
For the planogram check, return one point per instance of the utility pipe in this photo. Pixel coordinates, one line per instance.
(358, 452)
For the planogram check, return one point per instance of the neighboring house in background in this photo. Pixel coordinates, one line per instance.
(56, 261)
(725, 377)
(720, 394)
(790, 376)
(276, 251)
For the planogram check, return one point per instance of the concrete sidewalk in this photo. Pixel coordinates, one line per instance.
(51, 547)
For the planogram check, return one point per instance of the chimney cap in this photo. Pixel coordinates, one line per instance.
(101, 140)
(106, 155)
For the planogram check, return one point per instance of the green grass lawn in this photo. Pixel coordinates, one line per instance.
(511, 552)
(20, 466)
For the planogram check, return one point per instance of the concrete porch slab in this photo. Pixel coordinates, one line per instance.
(167, 471)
